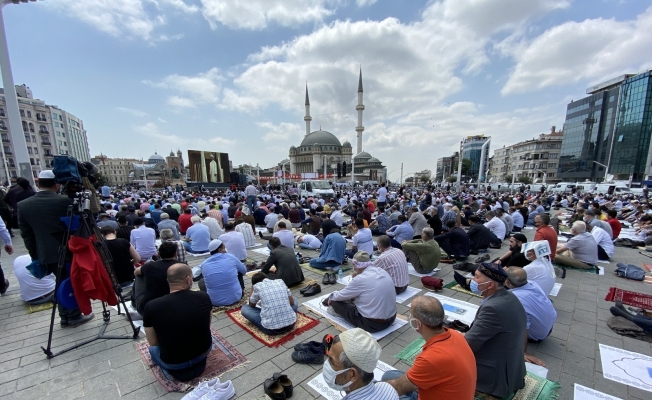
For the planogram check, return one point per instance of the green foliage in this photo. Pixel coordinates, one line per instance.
(451, 179)
(526, 180)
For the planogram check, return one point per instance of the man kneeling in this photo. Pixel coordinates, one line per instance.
(177, 326)
(278, 309)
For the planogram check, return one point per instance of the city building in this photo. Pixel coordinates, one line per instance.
(115, 170)
(446, 166)
(320, 151)
(48, 130)
(472, 150)
(632, 147)
(589, 133)
(536, 159)
(159, 170)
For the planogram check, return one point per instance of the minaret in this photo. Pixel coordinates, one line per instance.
(307, 118)
(359, 108)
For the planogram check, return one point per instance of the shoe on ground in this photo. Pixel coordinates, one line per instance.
(325, 301)
(326, 280)
(449, 260)
(274, 389)
(3, 291)
(308, 356)
(332, 279)
(314, 345)
(312, 290)
(201, 389)
(72, 323)
(461, 280)
(305, 289)
(285, 382)
(260, 233)
(482, 259)
(220, 391)
(463, 266)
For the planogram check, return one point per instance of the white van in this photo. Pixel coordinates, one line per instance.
(611, 188)
(316, 188)
(564, 187)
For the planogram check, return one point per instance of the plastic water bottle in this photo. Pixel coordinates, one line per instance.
(298, 258)
(339, 274)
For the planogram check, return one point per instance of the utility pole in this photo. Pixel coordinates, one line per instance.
(401, 173)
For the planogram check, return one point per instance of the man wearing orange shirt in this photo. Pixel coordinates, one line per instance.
(614, 223)
(445, 369)
(545, 232)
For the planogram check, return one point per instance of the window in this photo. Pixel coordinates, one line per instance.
(34, 138)
(25, 126)
(56, 124)
(3, 125)
(29, 114)
(27, 138)
(35, 150)
(22, 112)
(29, 150)
(2, 112)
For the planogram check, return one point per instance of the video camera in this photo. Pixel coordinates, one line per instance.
(69, 173)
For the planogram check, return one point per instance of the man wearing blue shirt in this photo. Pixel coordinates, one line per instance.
(199, 235)
(332, 253)
(401, 232)
(223, 274)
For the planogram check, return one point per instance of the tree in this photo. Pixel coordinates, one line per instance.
(451, 179)
(466, 165)
(423, 178)
(101, 180)
(526, 180)
(508, 179)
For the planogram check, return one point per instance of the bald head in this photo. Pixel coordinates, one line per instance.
(516, 276)
(429, 311)
(177, 274)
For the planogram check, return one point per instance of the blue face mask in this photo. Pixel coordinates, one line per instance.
(474, 287)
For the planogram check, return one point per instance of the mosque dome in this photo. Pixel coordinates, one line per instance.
(346, 144)
(155, 158)
(321, 138)
(363, 155)
(293, 148)
(373, 160)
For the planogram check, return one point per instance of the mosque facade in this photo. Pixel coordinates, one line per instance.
(159, 168)
(320, 151)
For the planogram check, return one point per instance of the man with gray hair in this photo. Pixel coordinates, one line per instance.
(424, 254)
(352, 358)
(168, 236)
(198, 236)
(590, 219)
(417, 221)
(581, 251)
(167, 223)
(446, 366)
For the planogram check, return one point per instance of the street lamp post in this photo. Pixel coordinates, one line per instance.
(545, 174)
(11, 100)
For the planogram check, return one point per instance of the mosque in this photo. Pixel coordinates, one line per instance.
(321, 150)
(158, 167)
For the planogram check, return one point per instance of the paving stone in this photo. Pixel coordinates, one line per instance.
(579, 366)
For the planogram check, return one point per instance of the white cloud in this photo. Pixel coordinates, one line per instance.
(162, 120)
(364, 3)
(203, 88)
(594, 49)
(281, 132)
(182, 6)
(132, 111)
(258, 14)
(151, 130)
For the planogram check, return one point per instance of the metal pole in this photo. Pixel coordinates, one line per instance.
(353, 171)
(459, 166)
(13, 113)
(482, 157)
(401, 173)
(258, 167)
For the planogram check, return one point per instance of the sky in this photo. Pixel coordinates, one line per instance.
(230, 75)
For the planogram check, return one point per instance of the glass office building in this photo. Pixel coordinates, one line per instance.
(472, 149)
(588, 132)
(631, 149)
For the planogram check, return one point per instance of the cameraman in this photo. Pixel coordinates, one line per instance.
(39, 220)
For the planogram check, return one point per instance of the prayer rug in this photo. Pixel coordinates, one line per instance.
(38, 307)
(592, 270)
(307, 267)
(630, 298)
(647, 267)
(456, 286)
(303, 324)
(219, 310)
(536, 388)
(224, 357)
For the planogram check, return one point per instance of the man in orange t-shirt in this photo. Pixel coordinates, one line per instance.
(446, 368)
(546, 232)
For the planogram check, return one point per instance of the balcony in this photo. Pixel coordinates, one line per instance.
(42, 119)
(8, 153)
(46, 143)
(6, 140)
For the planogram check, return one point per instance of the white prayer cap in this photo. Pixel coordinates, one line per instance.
(361, 348)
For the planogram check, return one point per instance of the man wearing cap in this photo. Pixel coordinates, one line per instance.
(424, 254)
(445, 369)
(369, 300)
(393, 261)
(105, 220)
(223, 275)
(540, 269)
(42, 231)
(350, 366)
(514, 257)
(500, 324)
(282, 264)
(540, 313)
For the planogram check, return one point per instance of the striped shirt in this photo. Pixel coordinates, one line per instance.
(393, 261)
(247, 233)
(373, 391)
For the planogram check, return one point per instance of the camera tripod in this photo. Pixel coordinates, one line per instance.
(79, 221)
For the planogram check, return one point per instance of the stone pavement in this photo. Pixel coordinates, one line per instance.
(110, 369)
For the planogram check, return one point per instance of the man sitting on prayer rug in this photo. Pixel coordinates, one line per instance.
(445, 369)
(278, 309)
(369, 300)
(424, 254)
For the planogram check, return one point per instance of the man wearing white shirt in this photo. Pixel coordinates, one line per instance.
(213, 226)
(308, 242)
(382, 195)
(496, 226)
(33, 290)
(336, 216)
(270, 220)
(234, 242)
(284, 235)
(605, 244)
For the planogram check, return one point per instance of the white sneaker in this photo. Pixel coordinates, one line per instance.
(201, 389)
(220, 391)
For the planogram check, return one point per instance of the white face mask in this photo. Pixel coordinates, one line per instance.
(330, 374)
(415, 323)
